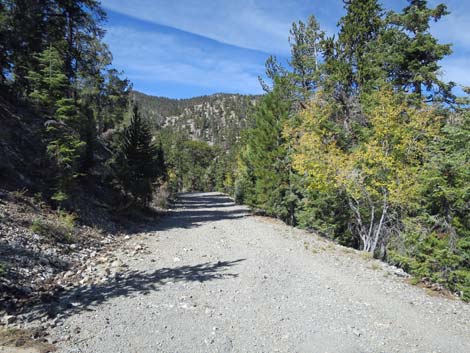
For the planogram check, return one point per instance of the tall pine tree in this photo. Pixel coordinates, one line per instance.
(137, 160)
(266, 165)
(416, 53)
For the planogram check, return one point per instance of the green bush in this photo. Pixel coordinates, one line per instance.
(38, 227)
(437, 256)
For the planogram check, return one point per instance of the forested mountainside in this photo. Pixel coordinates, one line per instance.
(74, 159)
(217, 119)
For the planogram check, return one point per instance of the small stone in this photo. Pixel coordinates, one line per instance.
(9, 319)
(400, 273)
(357, 332)
(43, 261)
(116, 263)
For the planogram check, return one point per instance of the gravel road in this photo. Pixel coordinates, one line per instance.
(211, 278)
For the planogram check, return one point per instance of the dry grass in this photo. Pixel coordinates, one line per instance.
(21, 340)
(375, 267)
(367, 256)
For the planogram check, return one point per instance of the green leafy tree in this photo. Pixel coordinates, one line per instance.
(377, 173)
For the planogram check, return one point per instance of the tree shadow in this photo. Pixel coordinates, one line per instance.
(198, 200)
(16, 270)
(193, 210)
(128, 284)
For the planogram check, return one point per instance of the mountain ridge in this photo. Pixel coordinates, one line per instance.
(217, 119)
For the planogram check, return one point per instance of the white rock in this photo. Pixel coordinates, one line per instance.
(8, 319)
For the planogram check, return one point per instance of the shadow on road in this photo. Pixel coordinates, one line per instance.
(197, 200)
(128, 284)
(192, 210)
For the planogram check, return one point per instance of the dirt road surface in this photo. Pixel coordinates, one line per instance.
(211, 278)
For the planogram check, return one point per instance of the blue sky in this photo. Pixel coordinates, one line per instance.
(186, 48)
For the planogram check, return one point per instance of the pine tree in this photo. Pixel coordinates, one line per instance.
(305, 41)
(416, 52)
(265, 159)
(25, 28)
(160, 163)
(350, 60)
(80, 24)
(4, 35)
(136, 160)
(49, 82)
(64, 144)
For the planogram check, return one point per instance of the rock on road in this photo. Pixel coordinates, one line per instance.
(213, 278)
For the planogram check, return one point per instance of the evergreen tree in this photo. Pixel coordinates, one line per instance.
(136, 160)
(305, 41)
(49, 82)
(64, 144)
(25, 26)
(265, 157)
(416, 53)
(114, 101)
(273, 70)
(80, 23)
(4, 35)
(435, 242)
(349, 61)
(160, 163)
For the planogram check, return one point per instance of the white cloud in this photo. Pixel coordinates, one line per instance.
(255, 24)
(457, 69)
(153, 58)
(454, 29)
(262, 25)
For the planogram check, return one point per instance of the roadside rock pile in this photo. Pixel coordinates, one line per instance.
(40, 258)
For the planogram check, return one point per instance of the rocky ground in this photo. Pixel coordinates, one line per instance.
(44, 253)
(210, 277)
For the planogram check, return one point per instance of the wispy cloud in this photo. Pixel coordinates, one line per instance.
(255, 24)
(456, 69)
(154, 57)
(454, 28)
(188, 47)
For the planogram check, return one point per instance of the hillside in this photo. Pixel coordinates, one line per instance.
(216, 119)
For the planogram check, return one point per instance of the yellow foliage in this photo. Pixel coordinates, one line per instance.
(385, 158)
(172, 177)
(228, 181)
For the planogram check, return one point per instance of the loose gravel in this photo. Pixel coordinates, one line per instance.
(213, 278)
